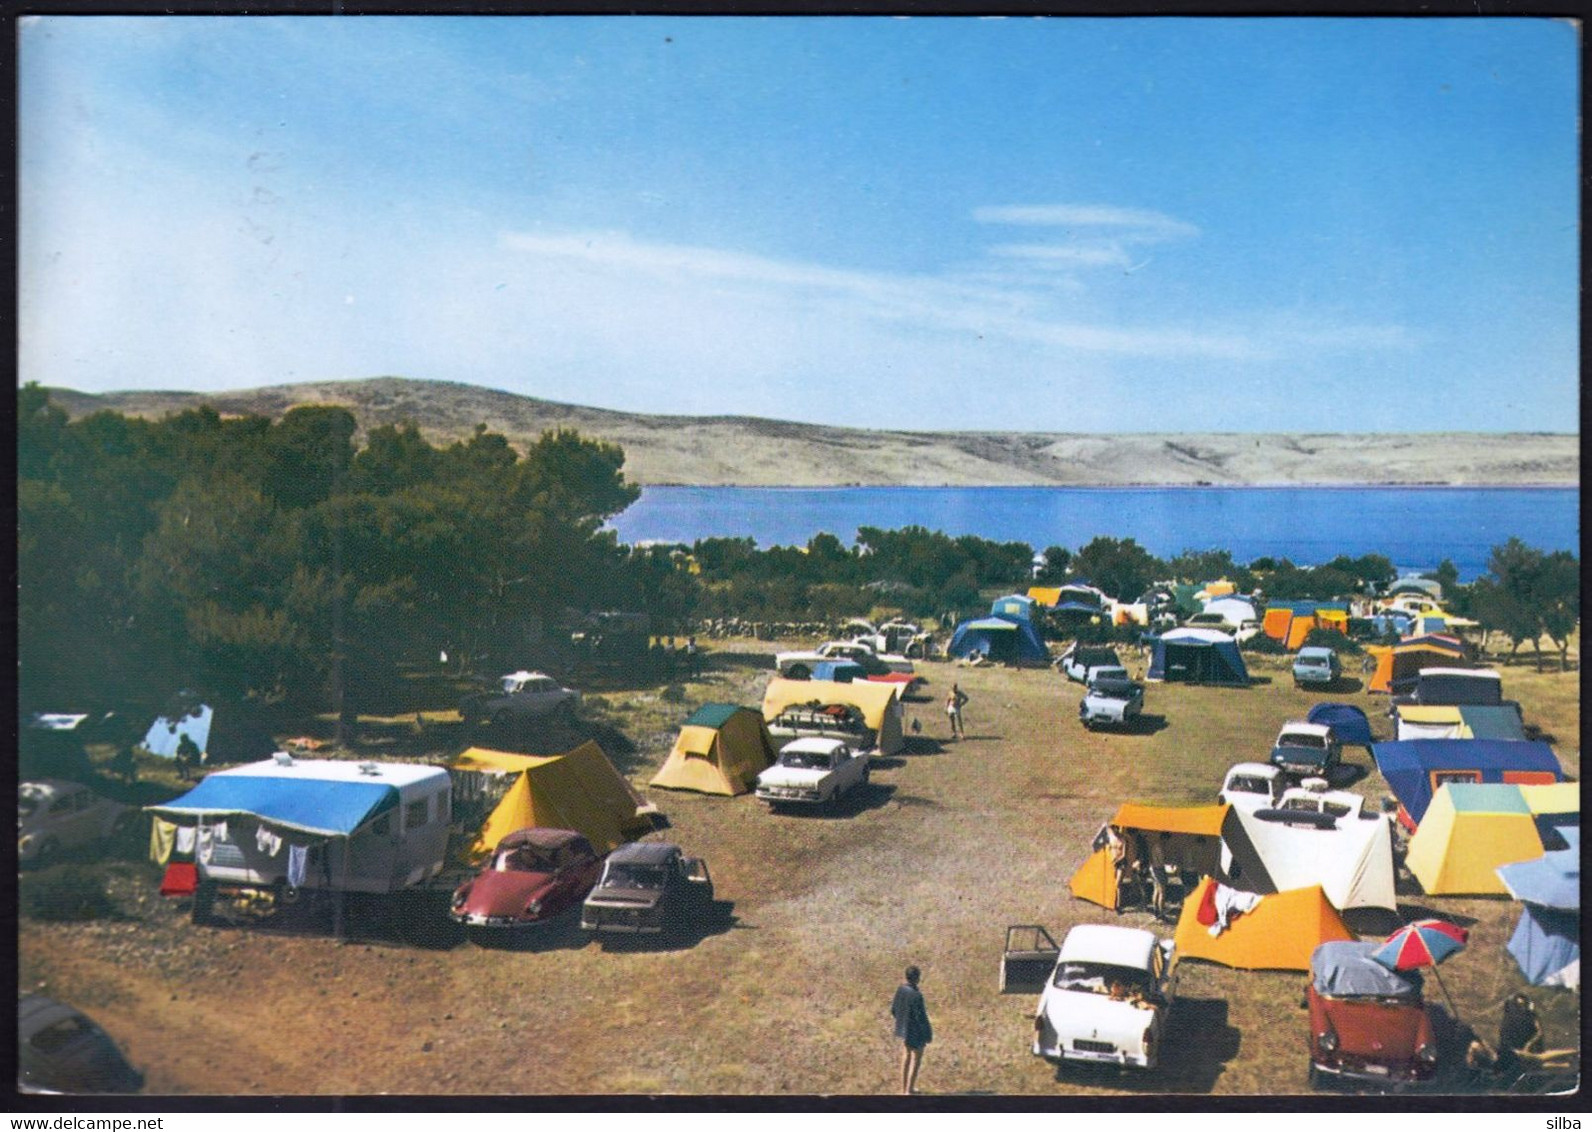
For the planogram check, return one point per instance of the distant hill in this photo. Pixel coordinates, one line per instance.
(751, 451)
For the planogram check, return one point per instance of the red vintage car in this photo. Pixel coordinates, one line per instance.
(1367, 1024)
(532, 877)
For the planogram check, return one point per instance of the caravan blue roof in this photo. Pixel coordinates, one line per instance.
(327, 808)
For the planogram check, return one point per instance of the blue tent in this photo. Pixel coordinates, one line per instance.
(1198, 656)
(317, 806)
(1547, 945)
(1552, 880)
(1348, 722)
(998, 638)
(1415, 767)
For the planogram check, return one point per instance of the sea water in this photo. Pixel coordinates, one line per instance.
(1415, 527)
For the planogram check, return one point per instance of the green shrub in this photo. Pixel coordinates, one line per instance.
(673, 694)
(1331, 639)
(73, 892)
(1263, 645)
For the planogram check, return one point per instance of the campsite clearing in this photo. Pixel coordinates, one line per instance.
(789, 991)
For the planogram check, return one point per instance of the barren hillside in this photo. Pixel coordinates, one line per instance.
(752, 451)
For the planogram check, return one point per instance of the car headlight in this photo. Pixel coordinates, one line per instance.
(1328, 1041)
(1428, 1053)
(460, 897)
(533, 908)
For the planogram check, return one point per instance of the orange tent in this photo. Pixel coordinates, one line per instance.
(1399, 662)
(1187, 836)
(1096, 882)
(1278, 934)
(1276, 623)
(1298, 629)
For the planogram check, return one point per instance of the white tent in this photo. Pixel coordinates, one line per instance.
(1351, 859)
(1234, 607)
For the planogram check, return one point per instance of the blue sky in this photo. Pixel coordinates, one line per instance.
(1062, 224)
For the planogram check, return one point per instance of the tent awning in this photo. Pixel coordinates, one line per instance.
(1203, 821)
(326, 809)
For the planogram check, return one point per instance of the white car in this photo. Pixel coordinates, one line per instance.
(1252, 786)
(813, 772)
(53, 815)
(799, 664)
(1080, 662)
(520, 696)
(1327, 804)
(1107, 999)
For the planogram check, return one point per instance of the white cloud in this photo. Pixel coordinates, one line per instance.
(1136, 224)
(1066, 255)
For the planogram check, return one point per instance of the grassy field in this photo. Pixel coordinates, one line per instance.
(789, 994)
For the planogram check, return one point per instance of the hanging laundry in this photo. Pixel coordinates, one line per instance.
(181, 879)
(267, 841)
(221, 831)
(297, 860)
(207, 845)
(162, 840)
(1230, 903)
(186, 837)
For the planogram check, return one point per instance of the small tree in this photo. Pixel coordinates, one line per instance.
(1556, 597)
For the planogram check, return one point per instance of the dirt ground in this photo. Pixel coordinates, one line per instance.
(789, 992)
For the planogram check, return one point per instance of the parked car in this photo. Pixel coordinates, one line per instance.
(1367, 1023)
(1252, 786)
(648, 888)
(801, 665)
(1112, 700)
(1316, 667)
(532, 877)
(1306, 749)
(1079, 661)
(61, 1050)
(520, 696)
(1108, 997)
(813, 772)
(1240, 631)
(1330, 805)
(53, 815)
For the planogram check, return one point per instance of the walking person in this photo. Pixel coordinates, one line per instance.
(912, 1027)
(954, 701)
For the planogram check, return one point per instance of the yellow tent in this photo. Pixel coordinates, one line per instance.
(1333, 619)
(879, 703)
(1278, 934)
(1469, 830)
(1045, 595)
(579, 790)
(1553, 798)
(1219, 588)
(720, 750)
(1298, 629)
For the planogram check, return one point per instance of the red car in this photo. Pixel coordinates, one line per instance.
(532, 877)
(1367, 1023)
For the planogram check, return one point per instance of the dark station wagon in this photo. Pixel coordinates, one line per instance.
(648, 887)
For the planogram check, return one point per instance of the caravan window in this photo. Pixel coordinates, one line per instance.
(382, 826)
(417, 813)
(1439, 777)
